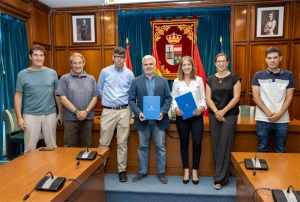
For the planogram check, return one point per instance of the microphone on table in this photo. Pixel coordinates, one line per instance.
(28, 195)
(78, 162)
(254, 172)
(293, 190)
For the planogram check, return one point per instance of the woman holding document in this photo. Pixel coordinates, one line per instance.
(223, 94)
(186, 82)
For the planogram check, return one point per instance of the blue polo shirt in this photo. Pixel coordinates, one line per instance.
(79, 91)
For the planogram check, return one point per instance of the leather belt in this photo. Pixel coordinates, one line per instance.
(117, 108)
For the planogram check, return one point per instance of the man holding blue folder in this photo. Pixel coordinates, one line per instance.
(145, 85)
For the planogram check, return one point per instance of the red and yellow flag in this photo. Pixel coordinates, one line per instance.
(128, 59)
(155, 55)
(200, 70)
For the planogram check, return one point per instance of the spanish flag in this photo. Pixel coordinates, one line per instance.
(155, 55)
(200, 70)
(128, 59)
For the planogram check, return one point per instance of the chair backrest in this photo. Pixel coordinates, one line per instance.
(10, 120)
(246, 110)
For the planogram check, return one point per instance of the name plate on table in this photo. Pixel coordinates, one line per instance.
(151, 107)
(186, 104)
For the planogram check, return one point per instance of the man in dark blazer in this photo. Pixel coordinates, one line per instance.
(149, 84)
(83, 28)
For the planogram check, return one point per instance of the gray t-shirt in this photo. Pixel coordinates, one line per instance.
(79, 91)
(38, 90)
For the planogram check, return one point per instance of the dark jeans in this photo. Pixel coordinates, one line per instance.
(74, 129)
(184, 127)
(264, 129)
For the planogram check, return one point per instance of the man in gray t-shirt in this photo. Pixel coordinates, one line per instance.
(78, 94)
(37, 84)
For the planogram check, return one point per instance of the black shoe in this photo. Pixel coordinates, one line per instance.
(122, 176)
(163, 178)
(195, 182)
(186, 181)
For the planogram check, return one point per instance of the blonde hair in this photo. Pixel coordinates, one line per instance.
(181, 73)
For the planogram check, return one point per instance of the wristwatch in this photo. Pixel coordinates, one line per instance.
(87, 110)
(76, 111)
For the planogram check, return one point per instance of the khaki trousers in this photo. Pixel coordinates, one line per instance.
(35, 124)
(120, 119)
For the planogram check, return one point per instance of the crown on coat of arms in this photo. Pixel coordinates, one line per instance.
(173, 38)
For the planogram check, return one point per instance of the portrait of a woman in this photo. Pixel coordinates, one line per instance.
(270, 24)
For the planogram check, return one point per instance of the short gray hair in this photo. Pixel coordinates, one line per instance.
(146, 57)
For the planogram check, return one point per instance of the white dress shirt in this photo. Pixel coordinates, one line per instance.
(196, 87)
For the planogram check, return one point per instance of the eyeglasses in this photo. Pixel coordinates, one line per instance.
(119, 57)
(221, 61)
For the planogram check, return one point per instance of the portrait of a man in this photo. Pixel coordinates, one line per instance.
(84, 33)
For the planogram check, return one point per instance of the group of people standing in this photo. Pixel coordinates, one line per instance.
(76, 95)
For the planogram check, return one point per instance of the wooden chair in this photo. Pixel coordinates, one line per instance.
(13, 132)
(246, 110)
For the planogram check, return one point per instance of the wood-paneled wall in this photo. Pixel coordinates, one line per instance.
(54, 30)
(98, 55)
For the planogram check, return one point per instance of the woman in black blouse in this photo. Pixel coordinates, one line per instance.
(222, 95)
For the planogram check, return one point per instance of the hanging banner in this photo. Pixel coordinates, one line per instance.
(173, 39)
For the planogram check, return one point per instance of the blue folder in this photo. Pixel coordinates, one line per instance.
(151, 107)
(186, 104)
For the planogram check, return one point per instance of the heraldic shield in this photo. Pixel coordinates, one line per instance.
(173, 39)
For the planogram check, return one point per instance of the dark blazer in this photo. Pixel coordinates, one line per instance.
(138, 89)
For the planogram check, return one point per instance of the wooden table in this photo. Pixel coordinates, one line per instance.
(19, 176)
(245, 141)
(284, 170)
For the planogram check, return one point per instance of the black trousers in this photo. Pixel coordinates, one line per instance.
(184, 127)
(222, 138)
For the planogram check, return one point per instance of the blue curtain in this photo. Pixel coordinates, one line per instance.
(215, 23)
(13, 58)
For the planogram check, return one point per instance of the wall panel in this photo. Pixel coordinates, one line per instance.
(61, 62)
(59, 30)
(240, 18)
(240, 64)
(108, 53)
(294, 109)
(18, 4)
(40, 27)
(241, 68)
(98, 28)
(297, 21)
(295, 65)
(109, 32)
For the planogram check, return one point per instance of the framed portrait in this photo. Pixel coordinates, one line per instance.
(269, 22)
(83, 29)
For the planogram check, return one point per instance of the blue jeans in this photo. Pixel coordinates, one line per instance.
(143, 151)
(264, 129)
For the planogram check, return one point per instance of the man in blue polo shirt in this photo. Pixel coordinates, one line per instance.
(272, 91)
(78, 94)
